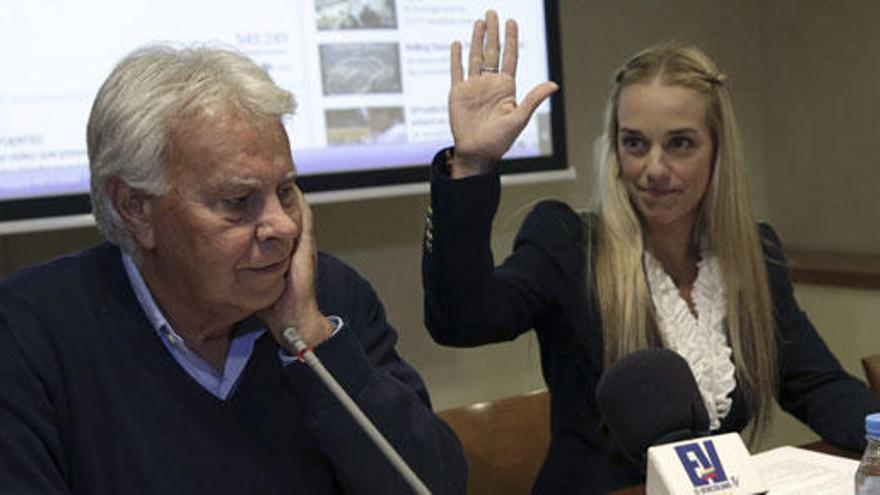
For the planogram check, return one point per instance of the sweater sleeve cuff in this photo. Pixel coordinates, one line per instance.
(344, 358)
(463, 196)
(288, 358)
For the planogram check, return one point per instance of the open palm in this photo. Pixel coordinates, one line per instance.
(483, 112)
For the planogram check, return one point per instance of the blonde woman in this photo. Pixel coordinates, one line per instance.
(670, 257)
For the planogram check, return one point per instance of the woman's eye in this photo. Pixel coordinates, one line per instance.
(632, 143)
(681, 143)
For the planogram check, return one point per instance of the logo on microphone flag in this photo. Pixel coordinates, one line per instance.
(701, 462)
(716, 465)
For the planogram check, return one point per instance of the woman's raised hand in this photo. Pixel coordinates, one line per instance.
(483, 112)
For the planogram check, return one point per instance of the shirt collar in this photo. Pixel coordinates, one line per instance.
(145, 297)
(154, 314)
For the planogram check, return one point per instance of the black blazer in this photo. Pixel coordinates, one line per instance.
(543, 286)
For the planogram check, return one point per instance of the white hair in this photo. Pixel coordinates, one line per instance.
(148, 94)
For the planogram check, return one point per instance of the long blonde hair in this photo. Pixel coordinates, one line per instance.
(724, 217)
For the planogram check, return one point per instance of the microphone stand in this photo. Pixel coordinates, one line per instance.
(305, 353)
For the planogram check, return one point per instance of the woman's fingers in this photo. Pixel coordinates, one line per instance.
(491, 48)
(534, 98)
(511, 47)
(485, 50)
(475, 59)
(455, 69)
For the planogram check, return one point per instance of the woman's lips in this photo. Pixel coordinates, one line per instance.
(656, 192)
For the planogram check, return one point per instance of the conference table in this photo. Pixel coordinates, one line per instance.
(820, 446)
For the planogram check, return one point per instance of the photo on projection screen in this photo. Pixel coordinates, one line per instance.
(370, 77)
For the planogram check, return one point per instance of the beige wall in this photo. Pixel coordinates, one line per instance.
(823, 119)
(749, 38)
(822, 157)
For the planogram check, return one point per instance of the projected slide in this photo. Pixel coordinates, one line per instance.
(370, 76)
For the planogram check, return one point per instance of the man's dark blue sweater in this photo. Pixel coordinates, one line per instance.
(92, 403)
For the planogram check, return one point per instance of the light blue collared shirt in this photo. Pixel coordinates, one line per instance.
(219, 383)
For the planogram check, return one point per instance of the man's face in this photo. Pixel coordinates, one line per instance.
(222, 236)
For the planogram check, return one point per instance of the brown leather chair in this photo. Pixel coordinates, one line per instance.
(505, 441)
(871, 365)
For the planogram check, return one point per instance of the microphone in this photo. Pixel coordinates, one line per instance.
(305, 353)
(652, 405)
(650, 397)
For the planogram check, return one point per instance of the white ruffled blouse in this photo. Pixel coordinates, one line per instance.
(701, 340)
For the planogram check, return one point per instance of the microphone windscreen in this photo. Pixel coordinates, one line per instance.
(648, 398)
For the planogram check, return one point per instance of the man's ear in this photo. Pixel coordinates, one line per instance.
(136, 210)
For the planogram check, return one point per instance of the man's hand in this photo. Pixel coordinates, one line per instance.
(483, 113)
(298, 304)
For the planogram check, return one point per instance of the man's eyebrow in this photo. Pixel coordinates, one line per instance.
(237, 180)
(233, 184)
(241, 181)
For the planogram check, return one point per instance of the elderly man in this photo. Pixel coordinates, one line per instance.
(151, 363)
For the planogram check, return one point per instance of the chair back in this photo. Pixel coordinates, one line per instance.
(871, 365)
(505, 441)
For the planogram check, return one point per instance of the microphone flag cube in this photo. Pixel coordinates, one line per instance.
(714, 465)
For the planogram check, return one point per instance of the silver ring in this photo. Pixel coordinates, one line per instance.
(492, 70)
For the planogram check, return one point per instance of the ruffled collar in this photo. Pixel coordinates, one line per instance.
(700, 340)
